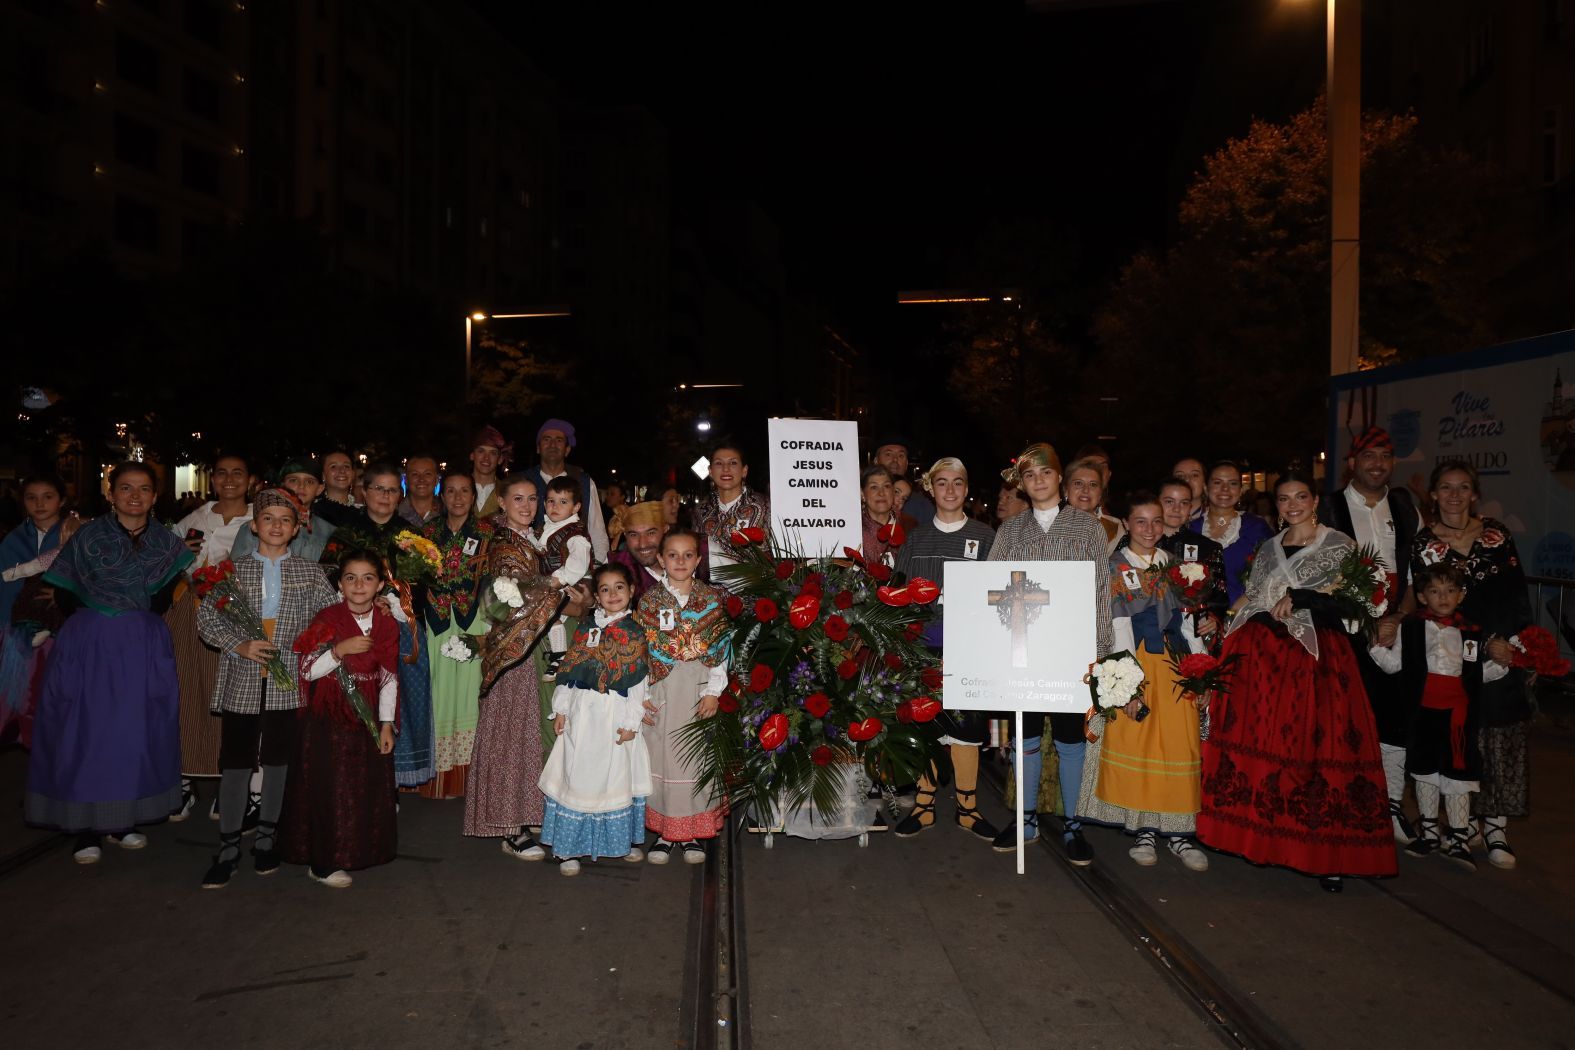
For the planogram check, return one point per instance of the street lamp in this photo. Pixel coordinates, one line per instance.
(1344, 99)
(476, 317)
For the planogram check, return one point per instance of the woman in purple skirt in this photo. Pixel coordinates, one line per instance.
(106, 740)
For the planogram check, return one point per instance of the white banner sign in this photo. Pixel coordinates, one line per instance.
(1019, 635)
(815, 485)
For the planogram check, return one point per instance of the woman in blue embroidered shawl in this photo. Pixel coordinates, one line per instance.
(106, 742)
(28, 621)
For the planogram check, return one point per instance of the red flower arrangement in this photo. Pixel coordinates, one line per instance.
(765, 610)
(218, 581)
(1536, 650)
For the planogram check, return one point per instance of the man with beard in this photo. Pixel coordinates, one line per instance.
(1386, 519)
(554, 440)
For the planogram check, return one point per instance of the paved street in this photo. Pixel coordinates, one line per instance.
(931, 940)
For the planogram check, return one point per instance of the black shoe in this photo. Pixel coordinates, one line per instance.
(977, 824)
(1405, 832)
(1078, 851)
(1006, 840)
(224, 863)
(912, 824)
(1455, 849)
(1331, 884)
(1427, 839)
(265, 850)
(253, 815)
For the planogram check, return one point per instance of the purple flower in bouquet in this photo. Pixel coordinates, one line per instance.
(802, 677)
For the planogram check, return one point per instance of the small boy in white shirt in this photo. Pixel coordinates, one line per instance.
(566, 548)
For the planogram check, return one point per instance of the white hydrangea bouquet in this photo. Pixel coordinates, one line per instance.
(1115, 681)
(502, 598)
(462, 648)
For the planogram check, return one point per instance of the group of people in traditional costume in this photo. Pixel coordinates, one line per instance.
(547, 668)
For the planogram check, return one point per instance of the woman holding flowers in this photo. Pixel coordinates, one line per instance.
(339, 813)
(106, 742)
(1496, 604)
(454, 631)
(502, 796)
(1143, 769)
(1291, 770)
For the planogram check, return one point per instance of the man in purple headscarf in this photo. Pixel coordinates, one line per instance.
(554, 439)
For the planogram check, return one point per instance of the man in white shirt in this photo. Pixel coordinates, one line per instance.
(489, 456)
(1385, 519)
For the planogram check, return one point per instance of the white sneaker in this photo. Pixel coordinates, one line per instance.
(635, 855)
(569, 867)
(88, 855)
(1143, 853)
(337, 880)
(516, 848)
(130, 840)
(694, 853)
(1189, 854)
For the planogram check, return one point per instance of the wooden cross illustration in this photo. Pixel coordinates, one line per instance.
(1019, 598)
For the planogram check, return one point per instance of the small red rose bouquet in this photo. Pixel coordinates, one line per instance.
(1537, 651)
(219, 581)
(1200, 674)
(1190, 580)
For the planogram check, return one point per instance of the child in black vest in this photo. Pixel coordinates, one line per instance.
(1442, 664)
(565, 549)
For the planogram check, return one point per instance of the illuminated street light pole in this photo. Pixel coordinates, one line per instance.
(476, 317)
(1344, 96)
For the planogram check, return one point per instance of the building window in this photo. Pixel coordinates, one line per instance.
(204, 21)
(1550, 146)
(136, 224)
(385, 170)
(136, 143)
(1552, 20)
(353, 218)
(199, 170)
(136, 62)
(1479, 51)
(320, 144)
(202, 96)
(321, 70)
(197, 240)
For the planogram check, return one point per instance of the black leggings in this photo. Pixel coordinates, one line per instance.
(239, 734)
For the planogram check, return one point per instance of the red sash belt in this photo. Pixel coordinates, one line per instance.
(1443, 692)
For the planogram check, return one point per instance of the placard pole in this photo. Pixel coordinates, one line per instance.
(1018, 753)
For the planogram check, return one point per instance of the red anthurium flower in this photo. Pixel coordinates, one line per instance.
(822, 755)
(893, 661)
(765, 610)
(735, 605)
(847, 668)
(895, 596)
(865, 730)
(931, 677)
(892, 535)
(817, 704)
(749, 535)
(924, 708)
(836, 628)
(843, 600)
(727, 702)
(880, 572)
(854, 556)
(923, 591)
(785, 569)
(760, 678)
(804, 611)
(904, 711)
(773, 731)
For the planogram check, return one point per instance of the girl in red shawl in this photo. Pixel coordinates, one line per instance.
(339, 812)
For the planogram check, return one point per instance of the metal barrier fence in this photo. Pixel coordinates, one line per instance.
(1553, 605)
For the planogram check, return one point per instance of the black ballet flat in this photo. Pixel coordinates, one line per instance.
(1331, 884)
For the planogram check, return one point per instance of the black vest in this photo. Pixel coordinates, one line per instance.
(1335, 512)
(1413, 671)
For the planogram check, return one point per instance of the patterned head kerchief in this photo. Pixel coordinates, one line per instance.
(643, 515)
(491, 437)
(277, 497)
(1372, 437)
(1039, 454)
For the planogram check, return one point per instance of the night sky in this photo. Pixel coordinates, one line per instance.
(887, 140)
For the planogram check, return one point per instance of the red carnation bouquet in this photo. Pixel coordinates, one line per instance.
(1201, 673)
(1190, 581)
(1537, 651)
(231, 603)
(315, 637)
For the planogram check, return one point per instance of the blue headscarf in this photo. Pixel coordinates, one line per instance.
(20, 545)
(113, 572)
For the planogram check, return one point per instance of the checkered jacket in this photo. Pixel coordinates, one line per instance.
(243, 687)
(1075, 535)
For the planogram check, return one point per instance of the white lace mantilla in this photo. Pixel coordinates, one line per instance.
(1315, 567)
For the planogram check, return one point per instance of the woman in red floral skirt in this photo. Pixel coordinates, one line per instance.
(1291, 769)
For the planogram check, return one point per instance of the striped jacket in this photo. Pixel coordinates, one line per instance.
(1074, 535)
(243, 687)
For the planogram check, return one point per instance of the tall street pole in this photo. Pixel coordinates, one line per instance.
(1344, 92)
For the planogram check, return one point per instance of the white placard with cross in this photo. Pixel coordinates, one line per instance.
(1019, 636)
